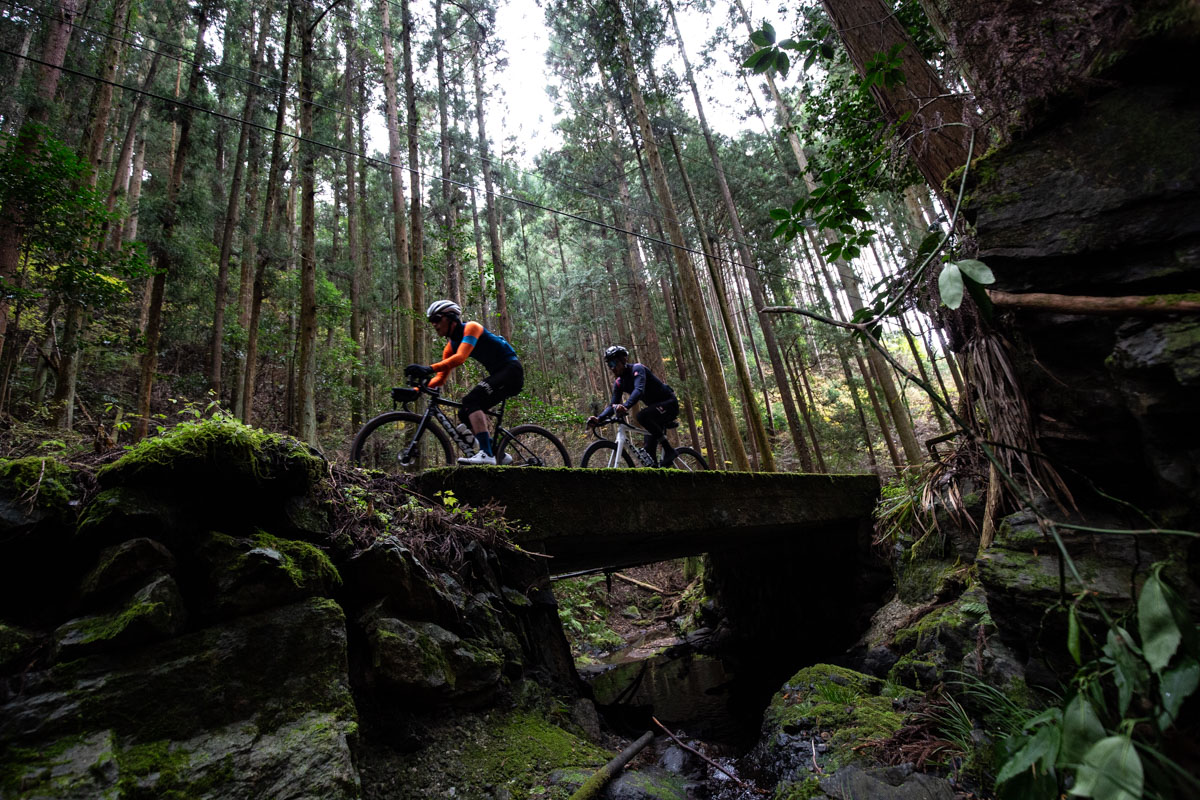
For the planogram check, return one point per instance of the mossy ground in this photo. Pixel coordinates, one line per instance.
(478, 755)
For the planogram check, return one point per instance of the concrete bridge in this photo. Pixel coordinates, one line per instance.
(592, 519)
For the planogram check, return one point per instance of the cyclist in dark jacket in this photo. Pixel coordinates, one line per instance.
(661, 407)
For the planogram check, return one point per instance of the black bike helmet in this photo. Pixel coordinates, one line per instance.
(615, 351)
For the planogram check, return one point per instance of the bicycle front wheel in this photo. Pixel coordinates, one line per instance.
(599, 455)
(386, 443)
(532, 446)
(688, 459)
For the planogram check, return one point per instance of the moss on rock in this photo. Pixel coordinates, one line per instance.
(855, 708)
(217, 455)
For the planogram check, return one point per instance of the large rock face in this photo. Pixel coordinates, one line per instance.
(201, 632)
(1100, 196)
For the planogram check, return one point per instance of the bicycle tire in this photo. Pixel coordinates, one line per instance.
(689, 460)
(595, 447)
(379, 443)
(532, 446)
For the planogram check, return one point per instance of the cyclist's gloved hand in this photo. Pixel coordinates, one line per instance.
(620, 410)
(593, 421)
(418, 372)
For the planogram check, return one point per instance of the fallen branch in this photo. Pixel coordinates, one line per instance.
(593, 785)
(816, 767)
(1148, 305)
(712, 763)
(646, 586)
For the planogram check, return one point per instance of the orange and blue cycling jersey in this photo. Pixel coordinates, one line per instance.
(640, 384)
(472, 340)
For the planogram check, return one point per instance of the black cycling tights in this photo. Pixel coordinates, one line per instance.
(654, 419)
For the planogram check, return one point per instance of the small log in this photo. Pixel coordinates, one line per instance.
(1148, 305)
(594, 785)
(646, 586)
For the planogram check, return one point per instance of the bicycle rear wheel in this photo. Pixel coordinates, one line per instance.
(532, 446)
(384, 440)
(688, 459)
(599, 455)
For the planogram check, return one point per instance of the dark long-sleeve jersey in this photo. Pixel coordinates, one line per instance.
(639, 383)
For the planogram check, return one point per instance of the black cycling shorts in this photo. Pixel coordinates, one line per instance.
(503, 383)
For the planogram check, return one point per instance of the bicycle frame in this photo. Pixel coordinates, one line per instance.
(433, 411)
(625, 444)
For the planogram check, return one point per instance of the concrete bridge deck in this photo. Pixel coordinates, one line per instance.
(591, 519)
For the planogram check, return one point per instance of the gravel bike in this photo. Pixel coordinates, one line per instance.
(405, 441)
(611, 453)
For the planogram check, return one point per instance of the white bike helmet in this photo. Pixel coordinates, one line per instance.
(440, 307)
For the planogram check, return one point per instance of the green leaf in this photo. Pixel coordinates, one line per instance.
(1111, 770)
(755, 58)
(1129, 672)
(1176, 685)
(1081, 729)
(808, 61)
(782, 227)
(1073, 635)
(1041, 748)
(789, 44)
(769, 31)
(929, 244)
(780, 213)
(1156, 624)
(826, 50)
(765, 63)
(860, 214)
(798, 206)
(950, 285)
(759, 38)
(782, 63)
(976, 271)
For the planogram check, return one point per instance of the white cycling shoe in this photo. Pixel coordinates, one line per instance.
(482, 458)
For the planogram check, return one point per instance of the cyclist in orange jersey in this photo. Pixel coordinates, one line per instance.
(466, 340)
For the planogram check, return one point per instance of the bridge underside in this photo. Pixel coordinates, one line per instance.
(593, 519)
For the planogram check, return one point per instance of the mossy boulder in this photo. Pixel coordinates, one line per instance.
(122, 513)
(833, 709)
(155, 611)
(16, 645)
(389, 569)
(218, 460)
(244, 575)
(38, 566)
(35, 492)
(420, 660)
(120, 565)
(267, 670)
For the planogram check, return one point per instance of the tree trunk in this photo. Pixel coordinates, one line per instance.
(754, 423)
(270, 230)
(170, 219)
(233, 214)
(306, 345)
(352, 228)
(690, 284)
(493, 220)
(404, 302)
(752, 278)
(928, 117)
(417, 241)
